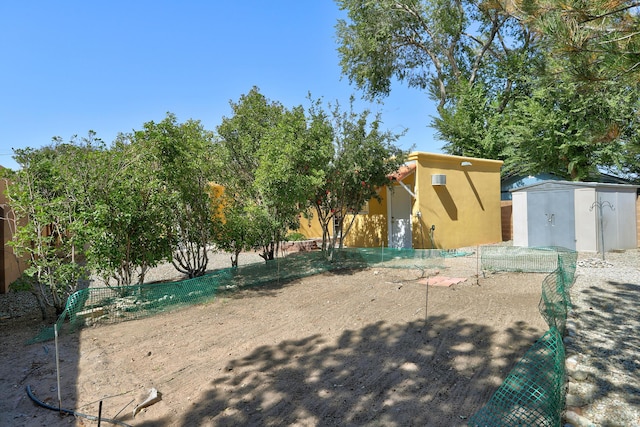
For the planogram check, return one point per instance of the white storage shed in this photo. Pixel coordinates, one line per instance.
(582, 216)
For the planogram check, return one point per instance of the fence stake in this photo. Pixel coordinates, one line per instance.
(55, 335)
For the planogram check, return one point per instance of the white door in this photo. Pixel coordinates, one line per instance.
(399, 212)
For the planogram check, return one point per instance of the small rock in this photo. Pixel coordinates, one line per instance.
(572, 362)
(579, 375)
(577, 420)
(573, 400)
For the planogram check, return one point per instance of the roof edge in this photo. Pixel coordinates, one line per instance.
(416, 155)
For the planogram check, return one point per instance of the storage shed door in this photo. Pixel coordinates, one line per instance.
(551, 218)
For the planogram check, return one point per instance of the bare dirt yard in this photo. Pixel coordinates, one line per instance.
(368, 347)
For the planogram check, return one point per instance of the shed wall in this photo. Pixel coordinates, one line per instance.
(586, 220)
(638, 220)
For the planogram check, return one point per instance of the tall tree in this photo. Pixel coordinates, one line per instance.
(184, 153)
(270, 162)
(472, 58)
(592, 41)
(133, 208)
(363, 158)
(431, 45)
(49, 198)
(487, 67)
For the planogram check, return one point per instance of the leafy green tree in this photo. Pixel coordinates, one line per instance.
(592, 41)
(184, 153)
(557, 127)
(270, 162)
(429, 45)
(472, 58)
(363, 157)
(233, 235)
(500, 93)
(133, 208)
(48, 196)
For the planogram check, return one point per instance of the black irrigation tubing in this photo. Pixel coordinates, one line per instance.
(71, 412)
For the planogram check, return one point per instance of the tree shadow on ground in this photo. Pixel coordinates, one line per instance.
(432, 373)
(615, 349)
(271, 287)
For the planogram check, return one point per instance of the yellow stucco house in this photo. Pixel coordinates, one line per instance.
(436, 201)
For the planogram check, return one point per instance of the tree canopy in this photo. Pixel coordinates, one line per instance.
(363, 156)
(506, 76)
(270, 160)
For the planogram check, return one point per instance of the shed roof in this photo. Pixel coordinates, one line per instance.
(552, 184)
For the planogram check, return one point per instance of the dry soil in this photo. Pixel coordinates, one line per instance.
(368, 347)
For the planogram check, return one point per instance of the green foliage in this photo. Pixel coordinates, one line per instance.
(295, 237)
(363, 158)
(51, 224)
(430, 45)
(556, 128)
(591, 41)
(270, 161)
(183, 152)
(509, 78)
(132, 211)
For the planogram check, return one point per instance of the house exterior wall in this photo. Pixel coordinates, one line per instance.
(11, 266)
(310, 227)
(465, 211)
(370, 229)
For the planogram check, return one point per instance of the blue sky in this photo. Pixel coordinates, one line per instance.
(73, 66)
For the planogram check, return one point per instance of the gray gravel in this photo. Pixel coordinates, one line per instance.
(603, 342)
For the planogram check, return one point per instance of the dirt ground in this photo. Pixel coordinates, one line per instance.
(369, 347)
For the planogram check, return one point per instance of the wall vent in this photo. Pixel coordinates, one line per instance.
(439, 179)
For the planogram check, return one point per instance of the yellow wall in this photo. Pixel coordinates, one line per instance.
(310, 227)
(465, 211)
(370, 229)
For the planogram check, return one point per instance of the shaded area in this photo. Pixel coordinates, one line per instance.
(533, 392)
(317, 353)
(447, 201)
(433, 374)
(614, 368)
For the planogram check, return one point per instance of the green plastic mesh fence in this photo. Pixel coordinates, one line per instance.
(112, 304)
(399, 258)
(532, 260)
(555, 300)
(533, 392)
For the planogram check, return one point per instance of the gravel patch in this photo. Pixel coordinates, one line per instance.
(603, 345)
